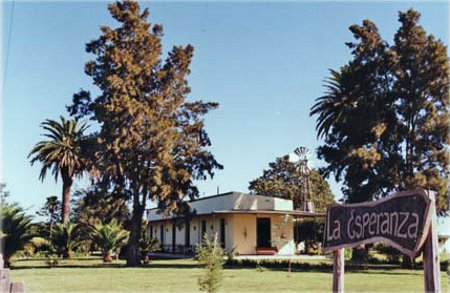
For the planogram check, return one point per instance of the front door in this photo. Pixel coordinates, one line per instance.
(263, 232)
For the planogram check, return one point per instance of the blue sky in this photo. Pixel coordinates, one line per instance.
(263, 62)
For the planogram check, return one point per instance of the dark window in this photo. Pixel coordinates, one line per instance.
(151, 232)
(161, 235)
(187, 235)
(263, 232)
(222, 233)
(203, 228)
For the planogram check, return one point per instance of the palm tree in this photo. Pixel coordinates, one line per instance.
(109, 237)
(147, 245)
(331, 107)
(16, 231)
(66, 238)
(62, 153)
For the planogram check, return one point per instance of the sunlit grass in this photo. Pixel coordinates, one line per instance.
(181, 276)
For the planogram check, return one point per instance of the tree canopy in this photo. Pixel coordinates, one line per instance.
(63, 154)
(282, 180)
(384, 117)
(152, 143)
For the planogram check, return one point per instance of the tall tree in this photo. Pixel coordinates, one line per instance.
(62, 154)
(385, 118)
(283, 178)
(152, 142)
(50, 211)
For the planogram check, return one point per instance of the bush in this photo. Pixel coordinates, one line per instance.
(16, 231)
(231, 255)
(66, 239)
(348, 253)
(392, 254)
(147, 245)
(276, 264)
(109, 238)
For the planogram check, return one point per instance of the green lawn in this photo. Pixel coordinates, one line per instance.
(181, 276)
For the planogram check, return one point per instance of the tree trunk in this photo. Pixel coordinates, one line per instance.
(408, 262)
(66, 253)
(133, 258)
(145, 257)
(107, 257)
(51, 232)
(67, 183)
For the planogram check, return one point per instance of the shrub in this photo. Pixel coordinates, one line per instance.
(392, 254)
(231, 255)
(66, 239)
(16, 231)
(109, 237)
(147, 245)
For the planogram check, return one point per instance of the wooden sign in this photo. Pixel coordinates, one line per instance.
(405, 220)
(402, 220)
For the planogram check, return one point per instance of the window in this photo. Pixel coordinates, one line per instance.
(161, 235)
(174, 234)
(187, 235)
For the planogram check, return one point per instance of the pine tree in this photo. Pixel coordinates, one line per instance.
(385, 118)
(210, 256)
(385, 115)
(152, 144)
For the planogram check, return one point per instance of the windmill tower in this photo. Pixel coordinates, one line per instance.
(305, 186)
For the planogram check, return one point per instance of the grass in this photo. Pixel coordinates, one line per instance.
(181, 276)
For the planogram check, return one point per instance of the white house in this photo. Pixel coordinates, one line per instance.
(252, 224)
(444, 234)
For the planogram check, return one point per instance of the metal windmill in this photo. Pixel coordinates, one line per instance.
(305, 186)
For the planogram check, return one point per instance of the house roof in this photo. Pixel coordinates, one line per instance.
(277, 212)
(253, 212)
(216, 196)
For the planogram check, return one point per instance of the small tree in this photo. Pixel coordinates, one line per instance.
(109, 237)
(51, 210)
(210, 255)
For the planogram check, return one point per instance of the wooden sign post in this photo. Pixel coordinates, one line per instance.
(338, 270)
(404, 220)
(431, 266)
